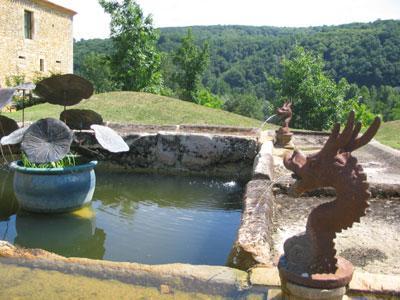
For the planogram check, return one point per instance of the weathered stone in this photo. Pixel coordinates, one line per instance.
(234, 130)
(206, 279)
(81, 119)
(284, 139)
(263, 167)
(167, 149)
(180, 152)
(376, 284)
(253, 243)
(265, 276)
(165, 289)
(297, 292)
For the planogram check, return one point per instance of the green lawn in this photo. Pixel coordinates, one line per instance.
(389, 134)
(143, 108)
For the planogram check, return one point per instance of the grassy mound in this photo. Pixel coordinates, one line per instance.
(143, 108)
(389, 135)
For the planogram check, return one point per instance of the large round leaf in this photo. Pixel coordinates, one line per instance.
(47, 140)
(7, 126)
(80, 119)
(14, 138)
(64, 90)
(109, 139)
(6, 96)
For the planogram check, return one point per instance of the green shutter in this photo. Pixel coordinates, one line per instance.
(28, 24)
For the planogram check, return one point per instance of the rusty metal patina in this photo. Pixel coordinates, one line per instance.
(283, 136)
(285, 113)
(311, 255)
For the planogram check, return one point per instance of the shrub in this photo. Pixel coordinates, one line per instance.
(205, 98)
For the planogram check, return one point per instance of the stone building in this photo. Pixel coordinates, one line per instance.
(35, 39)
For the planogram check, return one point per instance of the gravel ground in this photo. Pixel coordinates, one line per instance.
(372, 245)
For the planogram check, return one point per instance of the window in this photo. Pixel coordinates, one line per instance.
(41, 65)
(28, 24)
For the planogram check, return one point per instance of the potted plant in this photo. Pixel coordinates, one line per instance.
(48, 178)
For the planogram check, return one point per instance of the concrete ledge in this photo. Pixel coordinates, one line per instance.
(203, 279)
(263, 167)
(219, 130)
(376, 284)
(265, 276)
(378, 190)
(252, 245)
(363, 283)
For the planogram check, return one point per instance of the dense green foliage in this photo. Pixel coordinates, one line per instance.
(190, 62)
(136, 61)
(382, 100)
(246, 105)
(245, 58)
(96, 67)
(317, 99)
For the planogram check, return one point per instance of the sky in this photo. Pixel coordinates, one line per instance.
(92, 22)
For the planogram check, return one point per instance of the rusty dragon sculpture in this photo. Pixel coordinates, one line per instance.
(313, 252)
(285, 113)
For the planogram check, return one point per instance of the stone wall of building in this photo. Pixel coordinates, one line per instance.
(52, 39)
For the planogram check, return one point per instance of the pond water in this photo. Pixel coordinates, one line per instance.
(145, 218)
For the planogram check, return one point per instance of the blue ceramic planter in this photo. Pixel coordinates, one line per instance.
(54, 190)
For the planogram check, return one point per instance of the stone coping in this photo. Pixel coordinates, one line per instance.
(208, 129)
(216, 280)
(377, 189)
(205, 279)
(363, 283)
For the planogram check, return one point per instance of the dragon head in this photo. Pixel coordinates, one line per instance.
(333, 164)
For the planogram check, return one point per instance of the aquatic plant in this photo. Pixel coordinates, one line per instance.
(68, 161)
(47, 142)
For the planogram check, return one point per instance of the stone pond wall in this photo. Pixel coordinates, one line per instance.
(180, 152)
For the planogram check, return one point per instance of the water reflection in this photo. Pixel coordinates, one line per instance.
(192, 192)
(159, 219)
(142, 218)
(8, 203)
(72, 234)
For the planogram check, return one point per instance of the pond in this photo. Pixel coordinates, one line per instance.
(144, 218)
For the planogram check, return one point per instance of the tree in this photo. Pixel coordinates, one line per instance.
(395, 115)
(96, 68)
(245, 105)
(136, 62)
(317, 99)
(191, 62)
